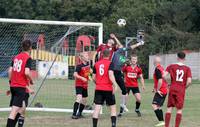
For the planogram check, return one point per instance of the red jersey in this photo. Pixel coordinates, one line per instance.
(131, 75)
(84, 71)
(179, 74)
(101, 69)
(103, 47)
(158, 74)
(19, 63)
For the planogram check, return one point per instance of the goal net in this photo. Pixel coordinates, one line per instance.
(55, 48)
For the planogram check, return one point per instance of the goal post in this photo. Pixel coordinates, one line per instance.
(54, 53)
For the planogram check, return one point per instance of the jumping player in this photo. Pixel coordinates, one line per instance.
(132, 73)
(160, 90)
(20, 77)
(181, 79)
(105, 88)
(81, 75)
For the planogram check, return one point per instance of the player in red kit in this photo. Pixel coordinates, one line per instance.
(109, 45)
(132, 72)
(160, 90)
(181, 78)
(81, 75)
(105, 88)
(19, 75)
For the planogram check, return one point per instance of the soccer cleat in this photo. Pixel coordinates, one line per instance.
(138, 112)
(80, 116)
(119, 115)
(125, 108)
(161, 123)
(74, 117)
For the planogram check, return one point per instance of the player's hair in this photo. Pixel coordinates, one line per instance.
(181, 55)
(106, 53)
(133, 55)
(26, 45)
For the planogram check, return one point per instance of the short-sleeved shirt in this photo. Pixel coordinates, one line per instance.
(101, 69)
(119, 58)
(84, 71)
(103, 47)
(19, 63)
(179, 74)
(158, 74)
(131, 75)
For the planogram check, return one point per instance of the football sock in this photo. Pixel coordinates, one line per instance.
(76, 105)
(157, 112)
(161, 115)
(94, 120)
(10, 123)
(113, 121)
(17, 117)
(82, 106)
(137, 105)
(123, 101)
(21, 121)
(167, 119)
(178, 119)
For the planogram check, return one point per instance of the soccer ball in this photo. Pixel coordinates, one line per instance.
(121, 22)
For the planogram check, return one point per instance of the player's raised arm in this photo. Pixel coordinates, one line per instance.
(116, 40)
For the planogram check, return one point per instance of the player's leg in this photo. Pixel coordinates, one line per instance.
(121, 111)
(77, 102)
(98, 101)
(168, 116)
(179, 107)
(83, 103)
(110, 100)
(178, 117)
(120, 81)
(136, 93)
(157, 103)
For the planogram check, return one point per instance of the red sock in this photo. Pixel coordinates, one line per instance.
(178, 119)
(167, 119)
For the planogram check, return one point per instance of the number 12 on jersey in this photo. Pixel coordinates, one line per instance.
(179, 75)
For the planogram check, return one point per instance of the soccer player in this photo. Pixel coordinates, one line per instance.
(105, 88)
(118, 61)
(181, 79)
(132, 73)
(81, 75)
(160, 90)
(19, 76)
(109, 45)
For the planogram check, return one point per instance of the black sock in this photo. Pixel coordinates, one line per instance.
(161, 115)
(113, 121)
(17, 117)
(137, 105)
(94, 120)
(121, 110)
(10, 123)
(21, 121)
(82, 106)
(76, 105)
(158, 114)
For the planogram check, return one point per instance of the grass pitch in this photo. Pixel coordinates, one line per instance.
(61, 94)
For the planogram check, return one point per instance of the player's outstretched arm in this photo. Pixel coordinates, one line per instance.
(112, 79)
(117, 40)
(137, 45)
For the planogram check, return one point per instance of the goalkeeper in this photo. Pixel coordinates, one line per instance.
(118, 61)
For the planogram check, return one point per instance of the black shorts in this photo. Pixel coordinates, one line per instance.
(120, 81)
(159, 100)
(18, 95)
(101, 96)
(133, 89)
(82, 91)
(26, 99)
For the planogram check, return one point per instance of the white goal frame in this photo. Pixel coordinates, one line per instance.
(47, 22)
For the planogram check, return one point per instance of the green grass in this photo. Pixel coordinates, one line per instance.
(60, 93)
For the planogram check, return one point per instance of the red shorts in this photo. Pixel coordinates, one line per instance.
(176, 99)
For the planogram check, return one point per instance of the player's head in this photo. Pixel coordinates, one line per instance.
(26, 45)
(134, 59)
(157, 60)
(106, 53)
(181, 56)
(84, 56)
(110, 42)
